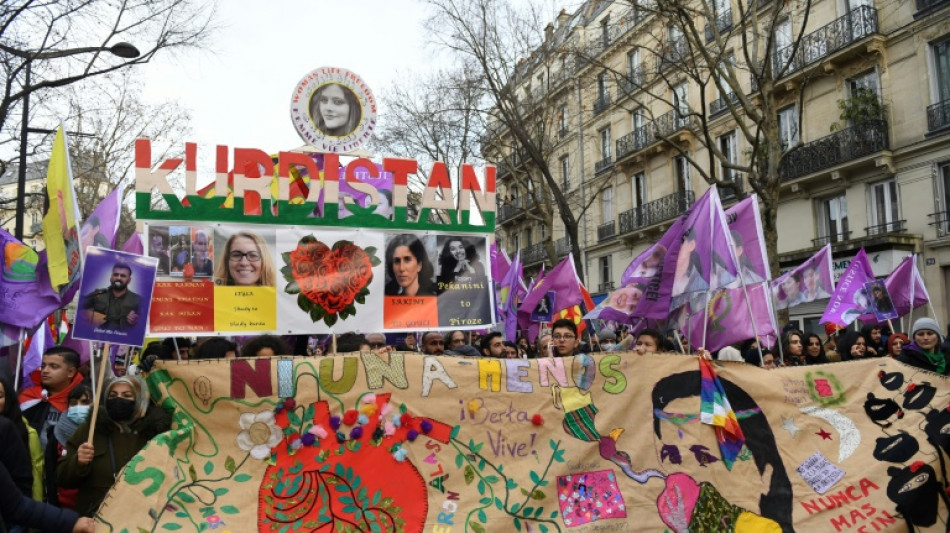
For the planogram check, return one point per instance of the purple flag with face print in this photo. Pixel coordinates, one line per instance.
(562, 281)
(357, 191)
(728, 318)
(745, 229)
(698, 257)
(850, 299)
(901, 286)
(102, 226)
(810, 281)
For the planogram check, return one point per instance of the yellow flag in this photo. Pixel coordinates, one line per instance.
(61, 223)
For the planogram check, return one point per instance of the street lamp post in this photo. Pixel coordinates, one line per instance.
(123, 50)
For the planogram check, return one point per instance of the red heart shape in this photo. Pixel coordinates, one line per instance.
(330, 278)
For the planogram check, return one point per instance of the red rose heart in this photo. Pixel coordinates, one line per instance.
(330, 278)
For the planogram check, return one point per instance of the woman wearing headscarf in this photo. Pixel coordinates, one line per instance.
(127, 421)
(925, 350)
(896, 343)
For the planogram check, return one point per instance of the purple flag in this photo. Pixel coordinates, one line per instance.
(80, 346)
(102, 226)
(499, 262)
(42, 341)
(697, 256)
(745, 228)
(729, 320)
(9, 335)
(26, 294)
(904, 283)
(810, 281)
(513, 290)
(562, 280)
(134, 244)
(850, 299)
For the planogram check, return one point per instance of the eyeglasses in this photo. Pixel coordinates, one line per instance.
(567, 337)
(375, 345)
(252, 257)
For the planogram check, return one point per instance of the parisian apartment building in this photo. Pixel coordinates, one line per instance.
(860, 90)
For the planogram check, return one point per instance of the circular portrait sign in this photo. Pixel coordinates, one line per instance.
(333, 110)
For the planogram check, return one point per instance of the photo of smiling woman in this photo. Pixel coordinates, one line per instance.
(335, 110)
(245, 260)
(408, 269)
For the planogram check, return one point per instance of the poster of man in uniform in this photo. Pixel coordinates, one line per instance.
(114, 297)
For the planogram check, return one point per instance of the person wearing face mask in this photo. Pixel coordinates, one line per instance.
(126, 422)
(80, 406)
(925, 350)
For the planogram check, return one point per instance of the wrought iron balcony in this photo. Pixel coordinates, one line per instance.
(631, 82)
(727, 194)
(941, 222)
(565, 73)
(671, 122)
(605, 286)
(533, 254)
(673, 52)
(720, 105)
(835, 149)
(562, 132)
(607, 231)
(518, 156)
(562, 246)
(938, 116)
(830, 239)
(897, 226)
(509, 210)
(604, 164)
(634, 141)
(723, 23)
(836, 35)
(601, 103)
(655, 212)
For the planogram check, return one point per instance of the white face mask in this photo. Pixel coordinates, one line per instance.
(78, 413)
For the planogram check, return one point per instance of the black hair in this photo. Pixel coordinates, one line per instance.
(485, 344)
(70, 356)
(214, 348)
(11, 409)
(657, 337)
(418, 251)
(77, 392)
(252, 347)
(760, 441)
(564, 323)
(122, 265)
(350, 342)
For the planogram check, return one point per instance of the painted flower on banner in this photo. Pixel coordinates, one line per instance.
(328, 281)
(259, 433)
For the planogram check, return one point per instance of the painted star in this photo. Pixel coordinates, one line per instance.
(824, 434)
(788, 424)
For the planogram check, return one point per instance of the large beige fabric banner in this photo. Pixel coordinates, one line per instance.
(606, 443)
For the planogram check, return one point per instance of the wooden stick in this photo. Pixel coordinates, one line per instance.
(333, 342)
(19, 360)
(676, 335)
(97, 403)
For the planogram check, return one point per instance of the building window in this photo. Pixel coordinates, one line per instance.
(884, 208)
(562, 120)
(729, 62)
(607, 205)
(833, 219)
(516, 241)
(681, 172)
(528, 238)
(638, 184)
(544, 232)
(868, 81)
(605, 31)
(788, 127)
(565, 173)
(633, 65)
(783, 47)
(943, 200)
(638, 119)
(681, 101)
(941, 55)
(602, 88)
(604, 135)
(727, 145)
(605, 274)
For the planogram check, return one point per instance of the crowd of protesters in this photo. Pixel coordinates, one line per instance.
(58, 476)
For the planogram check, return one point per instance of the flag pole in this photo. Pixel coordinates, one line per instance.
(92, 367)
(96, 402)
(19, 361)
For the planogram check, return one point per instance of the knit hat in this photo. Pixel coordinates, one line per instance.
(926, 323)
(606, 335)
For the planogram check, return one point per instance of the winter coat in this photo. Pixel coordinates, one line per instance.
(912, 355)
(20, 509)
(95, 479)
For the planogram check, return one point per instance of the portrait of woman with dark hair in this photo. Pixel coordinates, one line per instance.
(408, 269)
(335, 110)
(458, 263)
(773, 505)
(688, 283)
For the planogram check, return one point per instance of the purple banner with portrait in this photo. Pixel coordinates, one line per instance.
(901, 286)
(850, 299)
(102, 226)
(745, 229)
(697, 256)
(810, 281)
(729, 321)
(114, 297)
(359, 192)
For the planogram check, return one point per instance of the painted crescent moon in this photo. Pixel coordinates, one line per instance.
(850, 437)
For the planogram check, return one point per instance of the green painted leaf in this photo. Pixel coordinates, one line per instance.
(220, 491)
(458, 461)
(527, 511)
(292, 288)
(543, 528)
(491, 478)
(538, 511)
(553, 444)
(515, 507)
(498, 503)
(209, 467)
(370, 250)
(185, 497)
(330, 320)
(230, 465)
(485, 501)
(559, 456)
(192, 473)
(511, 484)
(403, 409)
(171, 527)
(229, 509)
(482, 517)
(476, 527)
(553, 514)
(538, 495)
(517, 524)
(481, 487)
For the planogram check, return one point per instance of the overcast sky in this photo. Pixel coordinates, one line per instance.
(239, 92)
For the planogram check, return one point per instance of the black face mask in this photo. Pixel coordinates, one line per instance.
(120, 409)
